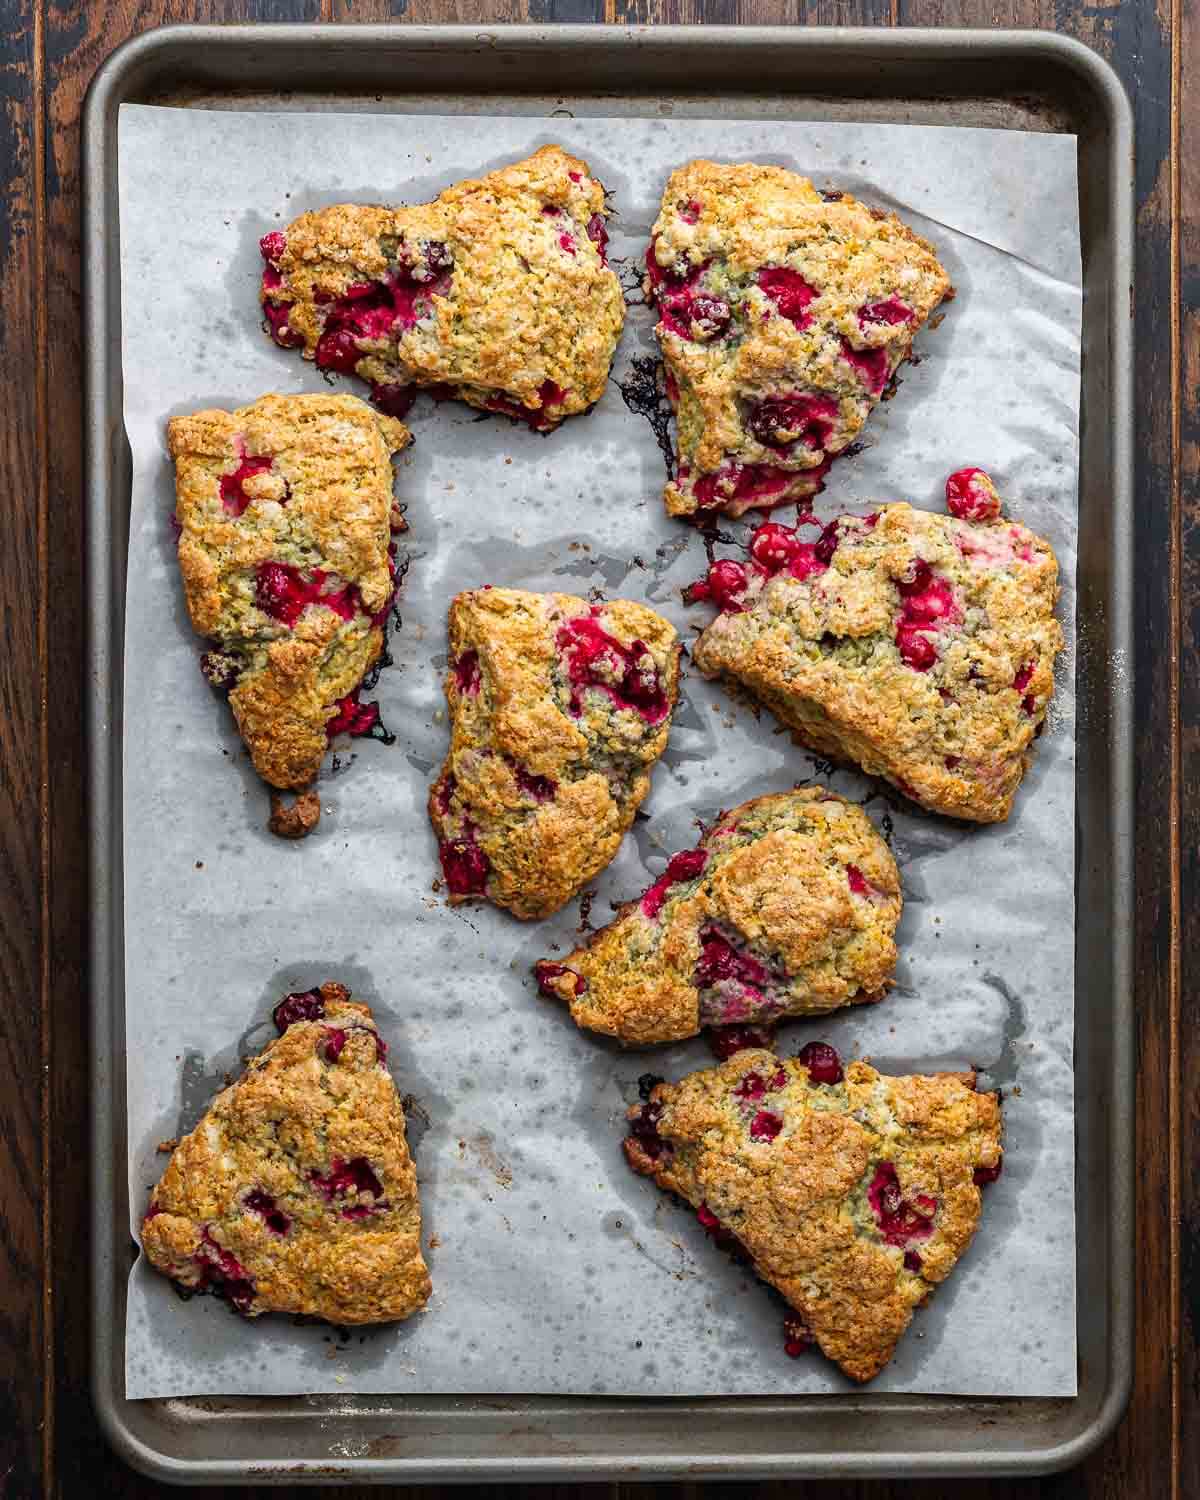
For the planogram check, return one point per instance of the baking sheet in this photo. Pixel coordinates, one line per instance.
(555, 1270)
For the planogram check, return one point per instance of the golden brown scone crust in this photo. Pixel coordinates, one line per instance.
(267, 497)
(271, 1201)
(853, 1199)
(498, 292)
(559, 710)
(827, 652)
(787, 908)
(769, 293)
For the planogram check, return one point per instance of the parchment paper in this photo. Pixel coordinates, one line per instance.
(554, 1268)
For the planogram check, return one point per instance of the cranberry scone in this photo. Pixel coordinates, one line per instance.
(852, 1193)
(783, 314)
(559, 710)
(787, 907)
(918, 646)
(285, 516)
(296, 1193)
(498, 293)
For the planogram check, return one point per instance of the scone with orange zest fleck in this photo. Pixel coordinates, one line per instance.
(498, 293)
(559, 710)
(852, 1193)
(783, 314)
(787, 907)
(295, 1193)
(286, 517)
(920, 647)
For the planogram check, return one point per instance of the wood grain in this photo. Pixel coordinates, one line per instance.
(49, 1443)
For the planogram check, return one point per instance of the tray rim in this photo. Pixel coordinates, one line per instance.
(104, 431)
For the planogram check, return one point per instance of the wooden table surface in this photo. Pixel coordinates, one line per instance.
(49, 1442)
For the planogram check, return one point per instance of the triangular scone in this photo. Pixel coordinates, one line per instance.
(559, 710)
(296, 1193)
(920, 647)
(783, 316)
(498, 292)
(853, 1194)
(285, 516)
(786, 908)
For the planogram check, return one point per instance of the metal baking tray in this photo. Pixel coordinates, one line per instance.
(1019, 80)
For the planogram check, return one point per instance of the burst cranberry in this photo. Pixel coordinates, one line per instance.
(685, 865)
(1023, 678)
(899, 1219)
(750, 1087)
(626, 674)
(893, 311)
(971, 496)
(707, 1218)
(827, 543)
(710, 315)
(302, 1005)
(567, 242)
(260, 1202)
(773, 546)
(272, 245)
(338, 350)
(983, 1175)
(220, 670)
(467, 674)
(540, 788)
(438, 258)
(224, 1275)
(643, 1127)
(761, 485)
(797, 1337)
(233, 495)
(334, 1043)
(282, 592)
(822, 1062)
(720, 960)
(544, 971)
(276, 314)
(765, 1126)
(725, 584)
(725, 1041)
(393, 400)
(857, 880)
(346, 1177)
(790, 293)
(689, 211)
(952, 762)
(352, 717)
(871, 365)
(782, 421)
(912, 1261)
(597, 232)
(465, 865)
(916, 649)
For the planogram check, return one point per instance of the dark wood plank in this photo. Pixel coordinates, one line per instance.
(1137, 1463)
(25, 1401)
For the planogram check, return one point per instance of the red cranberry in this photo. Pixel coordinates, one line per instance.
(685, 865)
(272, 245)
(857, 880)
(567, 242)
(544, 971)
(626, 674)
(689, 211)
(338, 350)
(827, 543)
(467, 674)
(711, 315)
(899, 1220)
(790, 293)
(870, 364)
(465, 865)
(276, 314)
(822, 1062)
(758, 485)
(597, 232)
(971, 496)
(260, 1202)
(352, 717)
(345, 1177)
(727, 582)
(707, 1218)
(438, 258)
(1023, 678)
(393, 400)
(773, 546)
(916, 649)
(797, 1337)
(233, 495)
(892, 311)
(983, 1175)
(782, 421)
(725, 1041)
(223, 1274)
(912, 1261)
(334, 1043)
(302, 1005)
(765, 1126)
(750, 1087)
(720, 960)
(282, 592)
